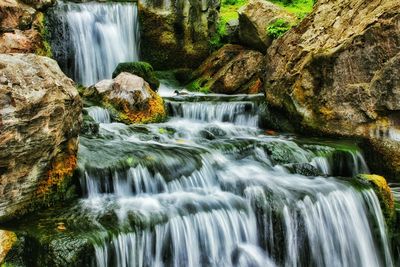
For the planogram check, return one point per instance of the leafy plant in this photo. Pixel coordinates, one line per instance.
(278, 28)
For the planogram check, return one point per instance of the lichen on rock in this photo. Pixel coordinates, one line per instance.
(384, 194)
(129, 98)
(40, 120)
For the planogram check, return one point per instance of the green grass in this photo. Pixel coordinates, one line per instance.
(298, 7)
(278, 28)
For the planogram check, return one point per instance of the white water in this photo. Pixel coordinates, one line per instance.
(208, 188)
(101, 35)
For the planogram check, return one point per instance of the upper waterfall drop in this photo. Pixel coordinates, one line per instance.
(92, 38)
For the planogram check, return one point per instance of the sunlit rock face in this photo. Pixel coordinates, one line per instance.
(176, 33)
(233, 69)
(22, 27)
(39, 124)
(338, 71)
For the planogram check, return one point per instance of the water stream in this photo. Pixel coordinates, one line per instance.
(90, 39)
(210, 188)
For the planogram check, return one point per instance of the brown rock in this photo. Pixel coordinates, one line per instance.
(176, 34)
(21, 28)
(337, 72)
(254, 19)
(231, 70)
(129, 98)
(40, 119)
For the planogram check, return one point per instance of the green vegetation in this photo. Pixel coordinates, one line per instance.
(45, 48)
(278, 28)
(142, 69)
(298, 7)
(216, 41)
(229, 9)
(199, 85)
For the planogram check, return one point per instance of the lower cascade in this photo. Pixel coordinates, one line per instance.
(210, 188)
(90, 39)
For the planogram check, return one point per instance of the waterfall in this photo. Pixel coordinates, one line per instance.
(209, 188)
(90, 39)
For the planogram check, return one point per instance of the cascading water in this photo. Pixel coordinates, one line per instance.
(90, 39)
(209, 188)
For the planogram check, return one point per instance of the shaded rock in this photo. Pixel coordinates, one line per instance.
(383, 156)
(141, 69)
(254, 19)
(305, 169)
(39, 121)
(230, 70)
(129, 98)
(40, 4)
(384, 193)
(176, 34)
(22, 29)
(337, 72)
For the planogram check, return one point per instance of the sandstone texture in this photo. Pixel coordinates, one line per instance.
(254, 19)
(231, 70)
(338, 71)
(40, 116)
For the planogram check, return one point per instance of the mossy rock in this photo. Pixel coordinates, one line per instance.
(140, 68)
(384, 193)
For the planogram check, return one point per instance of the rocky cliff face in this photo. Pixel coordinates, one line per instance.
(176, 34)
(22, 27)
(338, 71)
(39, 124)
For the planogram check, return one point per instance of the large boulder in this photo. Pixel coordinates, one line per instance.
(129, 98)
(230, 70)
(39, 124)
(141, 69)
(22, 28)
(338, 71)
(254, 19)
(176, 34)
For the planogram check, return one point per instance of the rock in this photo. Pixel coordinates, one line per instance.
(384, 193)
(7, 240)
(141, 69)
(230, 70)
(176, 34)
(337, 72)
(383, 156)
(40, 4)
(39, 120)
(305, 169)
(129, 98)
(22, 29)
(254, 19)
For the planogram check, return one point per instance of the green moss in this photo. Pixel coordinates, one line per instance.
(278, 28)
(384, 193)
(229, 9)
(41, 26)
(199, 85)
(142, 69)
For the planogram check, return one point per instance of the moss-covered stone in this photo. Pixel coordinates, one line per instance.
(384, 194)
(141, 69)
(41, 26)
(7, 240)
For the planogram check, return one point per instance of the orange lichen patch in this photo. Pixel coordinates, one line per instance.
(61, 168)
(383, 192)
(7, 240)
(327, 113)
(256, 87)
(154, 111)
